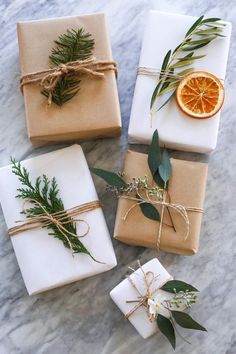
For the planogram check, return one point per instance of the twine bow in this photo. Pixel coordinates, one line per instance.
(49, 78)
(149, 279)
(180, 209)
(59, 219)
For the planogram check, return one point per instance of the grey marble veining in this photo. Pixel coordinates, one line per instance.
(81, 318)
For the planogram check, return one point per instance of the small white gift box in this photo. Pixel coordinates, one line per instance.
(124, 292)
(163, 32)
(44, 261)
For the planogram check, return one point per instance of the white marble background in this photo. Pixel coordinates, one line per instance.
(81, 318)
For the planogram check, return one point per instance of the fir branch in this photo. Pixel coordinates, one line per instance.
(200, 34)
(45, 192)
(70, 46)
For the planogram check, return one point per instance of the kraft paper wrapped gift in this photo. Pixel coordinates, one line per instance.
(164, 31)
(94, 112)
(124, 291)
(44, 261)
(186, 187)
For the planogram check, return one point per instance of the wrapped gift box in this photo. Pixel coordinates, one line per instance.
(125, 291)
(186, 187)
(44, 261)
(165, 31)
(94, 112)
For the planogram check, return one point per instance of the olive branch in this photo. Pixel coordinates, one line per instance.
(200, 34)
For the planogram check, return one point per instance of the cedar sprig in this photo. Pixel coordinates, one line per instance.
(46, 192)
(70, 46)
(200, 34)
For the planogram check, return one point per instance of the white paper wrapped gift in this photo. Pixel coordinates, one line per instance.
(124, 292)
(44, 261)
(163, 32)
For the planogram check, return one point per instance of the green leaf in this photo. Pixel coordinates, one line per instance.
(208, 31)
(158, 180)
(155, 93)
(168, 99)
(186, 321)
(110, 177)
(149, 211)
(165, 62)
(166, 328)
(194, 26)
(181, 63)
(186, 49)
(169, 88)
(185, 72)
(211, 19)
(200, 41)
(165, 167)
(154, 154)
(173, 286)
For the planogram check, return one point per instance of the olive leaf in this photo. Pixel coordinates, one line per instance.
(186, 321)
(166, 328)
(174, 286)
(201, 33)
(111, 178)
(154, 154)
(149, 211)
(165, 167)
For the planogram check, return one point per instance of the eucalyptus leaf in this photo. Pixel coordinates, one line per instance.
(166, 328)
(110, 178)
(158, 180)
(174, 286)
(149, 211)
(154, 154)
(186, 321)
(165, 167)
(194, 26)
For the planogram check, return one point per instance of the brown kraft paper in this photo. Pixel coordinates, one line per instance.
(94, 112)
(186, 187)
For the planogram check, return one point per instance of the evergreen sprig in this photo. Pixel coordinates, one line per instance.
(70, 46)
(200, 34)
(46, 193)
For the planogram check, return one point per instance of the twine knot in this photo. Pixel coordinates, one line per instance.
(49, 78)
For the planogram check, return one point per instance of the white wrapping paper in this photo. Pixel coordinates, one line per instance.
(125, 291)
(165, 31)
(44, 261)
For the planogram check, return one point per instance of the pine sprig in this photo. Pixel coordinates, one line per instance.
(70, 46)
(200, 34)
(46, 192)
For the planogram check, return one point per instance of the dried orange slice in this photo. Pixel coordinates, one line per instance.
(200, 94)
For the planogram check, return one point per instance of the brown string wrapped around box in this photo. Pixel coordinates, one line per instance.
(180, 209)
(49, 78)
(142, 300)
(59, 219)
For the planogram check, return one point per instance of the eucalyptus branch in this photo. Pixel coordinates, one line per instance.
(200, 34)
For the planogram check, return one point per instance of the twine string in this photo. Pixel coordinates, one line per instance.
(180, 209)
(58, 219)
(49, 78)
(149, 279)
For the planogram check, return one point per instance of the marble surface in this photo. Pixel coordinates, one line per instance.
(81, 317)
